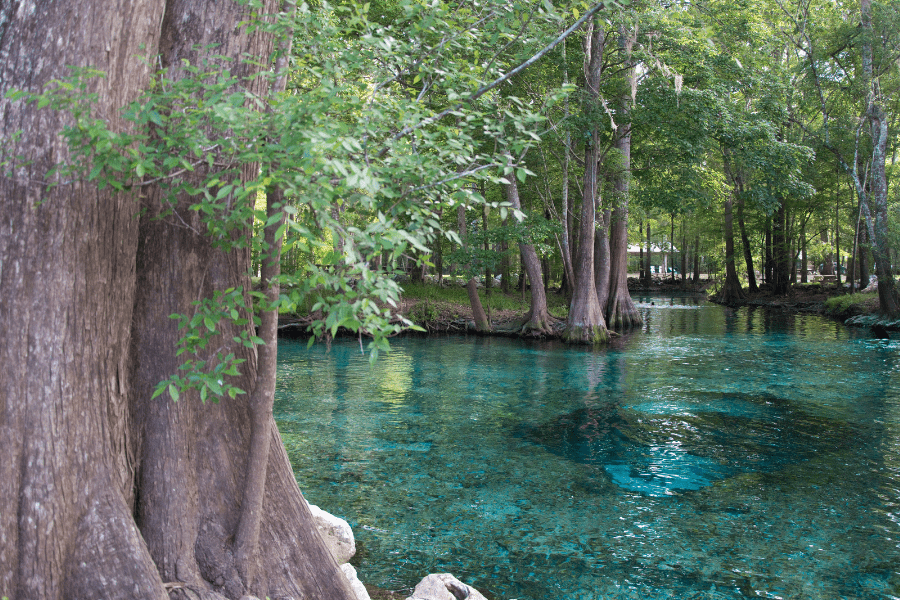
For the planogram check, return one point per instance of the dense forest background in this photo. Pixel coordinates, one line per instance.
(176, 173)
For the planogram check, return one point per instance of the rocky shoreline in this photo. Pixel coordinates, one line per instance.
(338, 537)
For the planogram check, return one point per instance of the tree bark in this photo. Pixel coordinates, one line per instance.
(209, 451)
(731, 292)
(102, 339)
(67, 282)
(537, 322)
(602, 257)
(878, 129)
(782, 268)
(585, 323)
(621, 312)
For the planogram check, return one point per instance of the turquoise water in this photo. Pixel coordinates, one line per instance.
(715, 454)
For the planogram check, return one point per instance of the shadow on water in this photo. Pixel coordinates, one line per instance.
(665, 448)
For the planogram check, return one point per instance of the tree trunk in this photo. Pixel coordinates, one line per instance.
(602, 256)
(697, 259)
(67, 282)
(640, 251)
(647, 269)
(782, 268)
(566, 218)
(199, 537)
(748, 250)
(804, 261)
(482, 323)
(731, 292)
(67, 515)
(585, 323)
(878, 128)
(621, 313)
(537, 321)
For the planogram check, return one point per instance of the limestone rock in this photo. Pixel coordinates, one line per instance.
(337, 534)
(444, 586)
(355, 584)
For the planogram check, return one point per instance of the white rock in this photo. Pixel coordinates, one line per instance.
(337, 534)
(444, 586)
(355, 584)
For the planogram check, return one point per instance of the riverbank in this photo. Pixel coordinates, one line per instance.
(446, 309)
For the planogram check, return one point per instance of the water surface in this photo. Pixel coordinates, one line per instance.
(712, 454)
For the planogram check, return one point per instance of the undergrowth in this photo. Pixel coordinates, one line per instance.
(495, 300)
(840, 304)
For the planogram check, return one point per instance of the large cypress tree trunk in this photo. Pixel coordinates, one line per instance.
(87, 448)
(585, 323)
(621, 313)
(206, 450)
(67, 279)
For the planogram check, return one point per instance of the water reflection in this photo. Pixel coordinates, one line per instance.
(712, 454)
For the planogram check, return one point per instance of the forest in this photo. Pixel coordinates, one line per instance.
(176, 173)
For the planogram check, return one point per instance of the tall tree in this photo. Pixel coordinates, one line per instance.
(537, 321)
(621, 312)
(585, 323)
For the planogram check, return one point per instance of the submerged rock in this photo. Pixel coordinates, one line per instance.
(444, 586)
(661, 448)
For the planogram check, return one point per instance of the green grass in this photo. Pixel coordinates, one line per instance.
(495, 300)
(840, 304)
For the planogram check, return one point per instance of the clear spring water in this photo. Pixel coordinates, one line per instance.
(714, 454)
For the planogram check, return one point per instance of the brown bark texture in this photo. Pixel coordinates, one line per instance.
(537, 321)
(107, 493)
(732, 291)
(621, 312)
(585, 323)
(65, 518)
(602, 256)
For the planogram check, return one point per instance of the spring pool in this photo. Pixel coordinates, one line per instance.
(715, 453)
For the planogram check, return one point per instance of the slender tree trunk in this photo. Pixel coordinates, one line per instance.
(566, 202)
(537, 321)
(672, 244)
(585, 323)
(804, 271)
(482, 323)
(684, 255)
(640, 251)
(781, 270)
(748, 249)
(697, 259)
(648, 268)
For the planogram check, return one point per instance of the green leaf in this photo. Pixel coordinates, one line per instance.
(173, 392)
